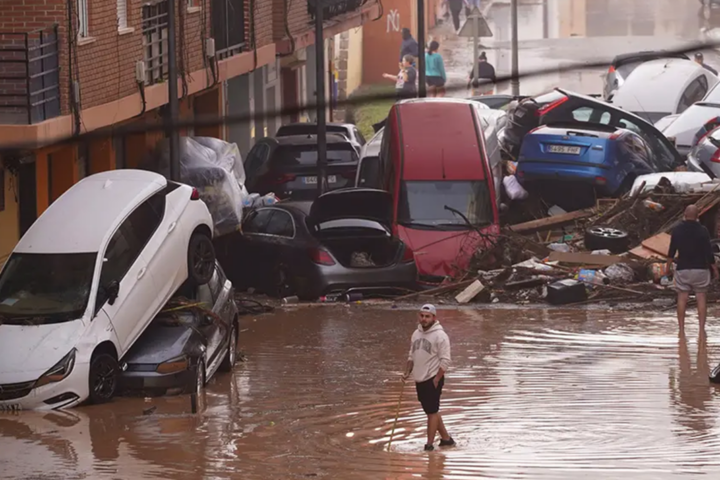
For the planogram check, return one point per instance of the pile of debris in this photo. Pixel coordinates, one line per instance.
(616, 251)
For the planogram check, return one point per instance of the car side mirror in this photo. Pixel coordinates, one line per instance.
(112, 290)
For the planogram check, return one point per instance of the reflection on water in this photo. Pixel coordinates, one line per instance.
(532, 394)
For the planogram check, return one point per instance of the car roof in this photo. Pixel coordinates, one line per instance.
(88, 213)
(439, 138)
(304, 124)
(590, 99)
(332, 138)
(644, 55)
(657, 85)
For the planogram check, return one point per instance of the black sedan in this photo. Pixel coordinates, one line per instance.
(287, 166)
(340, 242)
(184, 346)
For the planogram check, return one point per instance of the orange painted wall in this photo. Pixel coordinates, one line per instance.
(41, 181)
(63, 171)
(208, 104)
(102, 156)
(382, 39)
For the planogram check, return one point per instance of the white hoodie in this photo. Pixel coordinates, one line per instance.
(429, 352)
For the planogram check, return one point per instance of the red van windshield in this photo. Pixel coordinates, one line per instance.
(431, 203)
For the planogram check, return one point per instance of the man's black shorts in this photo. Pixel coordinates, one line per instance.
(429, 396)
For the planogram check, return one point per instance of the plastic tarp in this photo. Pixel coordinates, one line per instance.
(214, 167)
(682, 182)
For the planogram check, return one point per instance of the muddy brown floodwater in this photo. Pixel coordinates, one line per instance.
(532, 394)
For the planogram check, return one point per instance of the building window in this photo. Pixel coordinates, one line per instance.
(82, 20)
(122, 14)
(2, 189)
(155, 33)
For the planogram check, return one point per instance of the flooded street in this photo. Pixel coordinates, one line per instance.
(531, 394)
(558, 34)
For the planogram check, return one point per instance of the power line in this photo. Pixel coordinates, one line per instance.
(213, 120)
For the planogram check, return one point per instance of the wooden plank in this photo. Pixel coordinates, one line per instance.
(585, 258)
(646, 254)
(470, 292)
(659, 244)
(550, 222)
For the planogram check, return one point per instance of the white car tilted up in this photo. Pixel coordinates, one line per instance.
(86, 280)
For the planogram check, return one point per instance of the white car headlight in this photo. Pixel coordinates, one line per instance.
(59, 371)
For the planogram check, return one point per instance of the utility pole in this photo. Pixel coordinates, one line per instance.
(173, 97)
(422, 87)
(515, 81)
(320, 94)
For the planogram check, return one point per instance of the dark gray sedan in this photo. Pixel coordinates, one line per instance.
(184, 346)
(341, 242)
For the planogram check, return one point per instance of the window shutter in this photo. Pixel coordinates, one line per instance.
(122, 13)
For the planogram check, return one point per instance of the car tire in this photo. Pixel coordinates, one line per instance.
(102, 380)
(201, 259)
(231, 355)
(606, 238)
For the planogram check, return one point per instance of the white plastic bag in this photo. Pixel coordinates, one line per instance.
(513, 188)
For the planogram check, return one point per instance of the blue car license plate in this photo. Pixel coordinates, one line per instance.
(566, 149)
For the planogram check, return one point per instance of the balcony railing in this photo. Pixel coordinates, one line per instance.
(334, 8)
(29, 76)
(228, 27)
(155, 41)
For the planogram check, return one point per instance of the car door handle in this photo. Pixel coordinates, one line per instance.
(172, 227)
(141, 273)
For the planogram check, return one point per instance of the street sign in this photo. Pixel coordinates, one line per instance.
(475, 27)
(483, 30)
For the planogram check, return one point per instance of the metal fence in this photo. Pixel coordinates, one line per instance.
(155, 41)
(29, 76)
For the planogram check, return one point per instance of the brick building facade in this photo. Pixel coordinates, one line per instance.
(81, 74)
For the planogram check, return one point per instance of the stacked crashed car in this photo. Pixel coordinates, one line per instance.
(683, 128)
(87, 279)
(567, 160)
(184, 347)
(561, 106)
(342, 241)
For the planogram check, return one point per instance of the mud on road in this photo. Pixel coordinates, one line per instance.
(532, 394)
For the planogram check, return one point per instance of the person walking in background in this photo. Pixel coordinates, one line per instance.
(428, 361)
(409, 45)
(470, 5)
(485, 83)
(406, 79)
(700, 60)
(455, 7)
(691, 242)
(435, 70)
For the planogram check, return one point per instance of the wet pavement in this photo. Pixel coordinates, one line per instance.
(531, 394)
(562, 34)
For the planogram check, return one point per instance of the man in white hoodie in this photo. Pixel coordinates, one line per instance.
(428, 361)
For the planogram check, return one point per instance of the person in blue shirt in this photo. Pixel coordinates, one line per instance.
(435, 71)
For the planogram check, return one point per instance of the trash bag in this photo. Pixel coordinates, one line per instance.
(214, 167)
(620, 273)
(514, 190)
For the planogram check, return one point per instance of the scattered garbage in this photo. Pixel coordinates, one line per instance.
(255, 200)
(290, 300)
(514, 190)
(560, 247)
(593, 277)
(555, 210)
(620, 273)
(658, 207)
(565, 292)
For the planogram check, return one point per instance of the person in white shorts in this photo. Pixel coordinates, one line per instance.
(690, 241)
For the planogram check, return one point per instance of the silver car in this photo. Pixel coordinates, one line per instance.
(705, 156)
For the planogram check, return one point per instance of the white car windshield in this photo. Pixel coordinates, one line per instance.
(45, 288)
(434, 204)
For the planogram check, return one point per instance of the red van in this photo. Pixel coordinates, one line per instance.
(433, 160)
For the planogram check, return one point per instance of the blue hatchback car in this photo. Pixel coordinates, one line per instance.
(600, 156)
